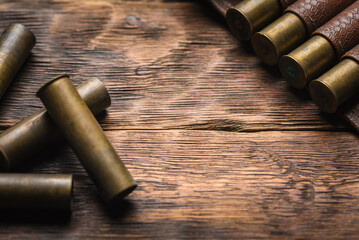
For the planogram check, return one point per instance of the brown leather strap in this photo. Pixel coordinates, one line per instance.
(353, 53)
(350, 110)
(343, 30)
(223, 5)
(314, 13)
(285, 3)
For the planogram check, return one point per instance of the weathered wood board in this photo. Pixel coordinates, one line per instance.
(220, 145)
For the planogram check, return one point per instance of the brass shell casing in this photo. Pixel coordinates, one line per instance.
(19, 142)
(36, 192)
(16, 43)
(279, 38)
(308, 61)
(87, 139)
(250, 16)
(336, 86)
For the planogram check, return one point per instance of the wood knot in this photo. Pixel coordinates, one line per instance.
(132, 21)
(142, 70)
(303, 191)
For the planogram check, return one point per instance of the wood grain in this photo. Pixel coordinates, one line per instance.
(220, 145)
(213, 184)
(177, 68)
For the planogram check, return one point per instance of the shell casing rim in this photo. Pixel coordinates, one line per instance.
(329, 92)
(253, 15)
(17, 27)
(260, 37)
(232, 16)
(41, 89)
(299, 81)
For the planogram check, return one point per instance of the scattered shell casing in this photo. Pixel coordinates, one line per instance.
(87, 139)
(16, 43)
(21, 141)
(36, 192)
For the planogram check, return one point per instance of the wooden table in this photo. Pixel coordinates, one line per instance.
(219, 143)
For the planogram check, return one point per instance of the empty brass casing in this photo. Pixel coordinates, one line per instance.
(250, 16)
(278, 38)
(308, 61)
(87, 139)
(36, 191)
(19, 142)
(336, 86)
(16, 43)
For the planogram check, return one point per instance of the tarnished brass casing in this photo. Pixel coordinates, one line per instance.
(87, 139)
(16, 43)
(19, 142)
(36, 192)
(336, 86)
(308, 61)
(278, 38)
(250, 16)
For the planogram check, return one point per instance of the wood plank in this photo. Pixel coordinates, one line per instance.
(169, 65)
(212, 184)
(220, 145)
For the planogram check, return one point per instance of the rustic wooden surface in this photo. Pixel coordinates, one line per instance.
(220, 145)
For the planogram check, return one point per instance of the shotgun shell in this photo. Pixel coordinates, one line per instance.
(278, 38)
(36, 192)
(300, 20)
(87, 139)
(327, 44)
(16, 43)
(336, 86)
(307, 61)
(19, 142)
(250, 16)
